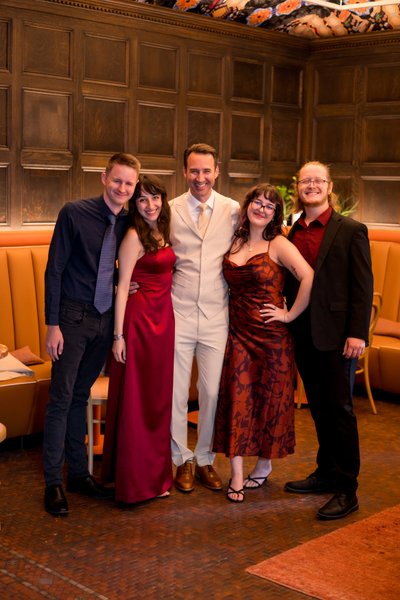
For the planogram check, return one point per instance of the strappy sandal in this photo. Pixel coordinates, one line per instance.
(166, 494)
(233, 491)
(259, 482)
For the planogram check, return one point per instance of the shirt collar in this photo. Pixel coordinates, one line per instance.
(194, 203)
(105, 211)
(321, 220)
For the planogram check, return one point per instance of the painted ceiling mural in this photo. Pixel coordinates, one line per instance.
(295, 17)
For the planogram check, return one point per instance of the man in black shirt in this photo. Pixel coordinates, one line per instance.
(79, 335)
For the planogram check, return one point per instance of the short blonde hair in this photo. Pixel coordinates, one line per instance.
(124, 159)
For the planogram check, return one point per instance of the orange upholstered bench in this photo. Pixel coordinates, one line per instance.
(23, 258)
(384, 357)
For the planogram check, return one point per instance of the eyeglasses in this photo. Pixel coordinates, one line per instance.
(260, 206)
(310, 180)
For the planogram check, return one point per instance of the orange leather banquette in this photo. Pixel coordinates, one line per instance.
(23, 257)
(384, 356)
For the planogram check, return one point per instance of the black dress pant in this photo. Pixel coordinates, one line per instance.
(328, 379)
(87, 341)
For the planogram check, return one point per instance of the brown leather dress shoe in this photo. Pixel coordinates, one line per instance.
(209, 477)
(184, 481)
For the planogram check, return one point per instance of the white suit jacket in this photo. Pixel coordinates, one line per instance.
(198, 281)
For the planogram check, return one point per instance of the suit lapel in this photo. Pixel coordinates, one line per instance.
(293, 230)
(181, 207)
(217, 211)
(332, 228)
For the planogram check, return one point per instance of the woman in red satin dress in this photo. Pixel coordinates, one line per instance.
(137, 448)
(255, 412)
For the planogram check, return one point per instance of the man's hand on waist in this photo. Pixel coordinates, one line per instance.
(133, 287)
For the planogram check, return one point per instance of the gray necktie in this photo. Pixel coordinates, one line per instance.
(202, 223)
(103, 295)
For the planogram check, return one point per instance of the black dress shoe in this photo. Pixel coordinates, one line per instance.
(88, 486)
(55, 501)
(311, 485)
(339, 506)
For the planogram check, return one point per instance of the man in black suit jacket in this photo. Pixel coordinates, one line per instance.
(331, 335)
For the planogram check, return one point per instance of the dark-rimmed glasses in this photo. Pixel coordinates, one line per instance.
(310, 180)
(258, 205)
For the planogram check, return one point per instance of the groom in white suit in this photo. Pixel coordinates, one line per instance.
(202, 226)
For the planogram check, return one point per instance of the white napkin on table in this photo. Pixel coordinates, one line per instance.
(11, 367)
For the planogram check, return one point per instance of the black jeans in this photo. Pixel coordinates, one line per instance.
(328, 379)
(87, 340)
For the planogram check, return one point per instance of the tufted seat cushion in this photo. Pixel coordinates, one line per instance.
(23, 400)
(384, 359)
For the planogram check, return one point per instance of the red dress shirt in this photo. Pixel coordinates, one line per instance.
(308, 238)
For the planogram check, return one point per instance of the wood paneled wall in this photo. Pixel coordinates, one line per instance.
(353, 120)
(80, 80)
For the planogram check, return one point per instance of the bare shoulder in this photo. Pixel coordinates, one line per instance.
(131, 248)
(280, 242)
(131, 239)
(284, 252)
(131, 234)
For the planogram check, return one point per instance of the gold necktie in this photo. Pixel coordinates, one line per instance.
(202, 223)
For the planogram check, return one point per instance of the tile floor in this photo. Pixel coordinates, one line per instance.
(194, 546)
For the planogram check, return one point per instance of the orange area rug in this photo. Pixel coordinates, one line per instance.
(357, 562)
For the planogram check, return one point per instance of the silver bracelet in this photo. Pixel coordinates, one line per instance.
(118, 336)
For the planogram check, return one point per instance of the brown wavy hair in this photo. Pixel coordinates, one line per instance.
(273, 228)
(152, 185)
(332, 197)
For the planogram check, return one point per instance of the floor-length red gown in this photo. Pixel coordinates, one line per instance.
(255, 412)
(137, 446)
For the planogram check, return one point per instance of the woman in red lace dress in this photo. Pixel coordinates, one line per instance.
(255, 412)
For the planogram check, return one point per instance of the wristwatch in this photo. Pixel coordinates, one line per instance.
(118, 336)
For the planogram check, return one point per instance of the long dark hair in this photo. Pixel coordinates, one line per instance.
(152, 185)
(273, 228)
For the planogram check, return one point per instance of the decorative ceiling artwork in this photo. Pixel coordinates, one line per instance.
(318, 19)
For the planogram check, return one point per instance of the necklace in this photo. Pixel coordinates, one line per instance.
(250, 248)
